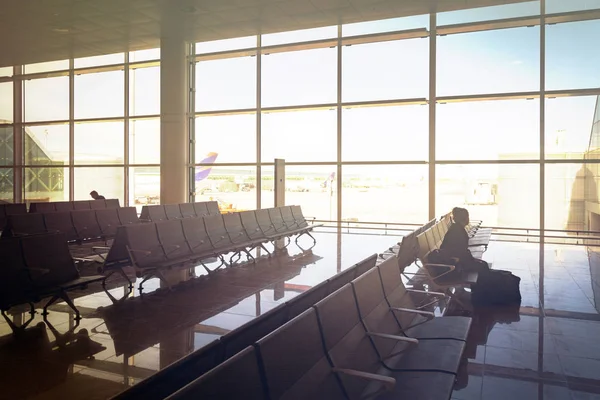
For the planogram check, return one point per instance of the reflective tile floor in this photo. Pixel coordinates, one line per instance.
(547, 349)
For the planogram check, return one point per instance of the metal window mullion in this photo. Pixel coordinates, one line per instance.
(18, 145)
(339, 127)
(126, 131)
(542, 118)
(259, 122)
(71, 130)
(432, 109)
(191, 122)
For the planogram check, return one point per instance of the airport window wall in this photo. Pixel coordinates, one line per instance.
(493, 108)
(86, 124)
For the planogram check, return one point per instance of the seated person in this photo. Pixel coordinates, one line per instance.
(96, 196)
(456, 243)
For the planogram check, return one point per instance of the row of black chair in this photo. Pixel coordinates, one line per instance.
(77, 226)
(7, 209)
(164, 212)
(362, 341)
(153, 247)
(35, 267)
(45, 207)
(184, 371)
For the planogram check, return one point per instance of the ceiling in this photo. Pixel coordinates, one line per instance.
(46, 30)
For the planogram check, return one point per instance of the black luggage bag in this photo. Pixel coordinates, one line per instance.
(496, 287)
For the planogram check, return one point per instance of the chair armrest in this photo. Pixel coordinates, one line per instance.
(144, 252)
(397, 338)
(450, 269)
(387, 381)
(427, 314)
(426, 292)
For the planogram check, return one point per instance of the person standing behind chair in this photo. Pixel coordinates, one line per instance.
(456, 243)
(96, 196)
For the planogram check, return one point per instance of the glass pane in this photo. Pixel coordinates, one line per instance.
(99, 95)
(233, 187)
(108, 59)
(572, 196)
(314, 188)
(108, 182)
(6, 71)
(570, 61)
(502, 195)
(299, 77)
(46, 99)
(299, 136)
(99, 143)
(144, 186)
(560, 6)
(521, 9)
(144, 141)
(371, 193)
(303, 35)
(386, 70)
(226, 84)
(226, 44)
(46, 145)
(6, 145)
(144, 91)
(47, 66)
(569, 122)
(46, 184)
(488, 130)
(231, 137)
(385, 133)
(386, 25)
(144, 55)
(6, 184)
(489, 62)
(6, 102)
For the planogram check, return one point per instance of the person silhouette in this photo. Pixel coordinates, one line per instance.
(96, 196)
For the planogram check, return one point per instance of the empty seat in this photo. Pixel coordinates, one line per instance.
(187, 210)
(295, 365)
(343, 278)
(213, 208)
(63, 206)
(82, 205)
(61, 222)
(365, 265)
(251, 226)
(26, 224)
(97, 204)
(108, 221)
(42, 207)
(15, 284)
(153, 213)
(144, 247)
(127, 215)
(172, 211)
(118, 255)
(297, 305)
(201, 209)
(215, 227)
(277, 220)
(265, 224)
(235, 229)
(196, 236)
(237, 378)
(247, 334)
(288, 217)
(15, 209)
(172, 238)
(85, 224)
(112, 203)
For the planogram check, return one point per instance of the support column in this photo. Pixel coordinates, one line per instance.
(173, 111)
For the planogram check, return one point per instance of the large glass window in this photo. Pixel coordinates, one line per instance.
(47, 66)
(144, 186)
(226, 84)
(299, 77)
(46, 144)
(6, 71)
(299, 135)
(561, 6)
(6, 145)
(386, 70)
(144, 141)
(144, 91)
(569, 122)
(231, 137)
(386, 25)
(385, 133)
(99, 95)
(570, 61)
(99, 143)
(303, 35)
(504, 11)
(234, 188)
(118, 58)
(504, 195)
(46, 99)
(312, 187)
(144, 55)
(498, 61)
(107, 181)
(488, 130)
(6, 184)
(47, 183)
(6, 102)
(371, 193)
(214, 46)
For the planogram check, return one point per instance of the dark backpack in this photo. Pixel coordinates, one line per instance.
(496, 287)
